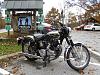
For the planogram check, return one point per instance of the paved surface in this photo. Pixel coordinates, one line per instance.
(21, 66)
(89, 38)
(56, 67)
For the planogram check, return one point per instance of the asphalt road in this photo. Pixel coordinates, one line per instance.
(90, 38)
(22, 66)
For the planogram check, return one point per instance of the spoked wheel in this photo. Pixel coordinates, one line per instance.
(78, 57)
(27, 49)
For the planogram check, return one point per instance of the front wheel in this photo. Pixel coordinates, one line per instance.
(78, 57)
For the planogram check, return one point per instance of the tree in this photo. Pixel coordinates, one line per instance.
(92, 9)
(72, 19)
(53, 16)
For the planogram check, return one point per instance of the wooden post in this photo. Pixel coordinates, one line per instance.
(8, 32)
(34, 14)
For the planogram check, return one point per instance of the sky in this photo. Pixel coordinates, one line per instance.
(52, 3)
(59, 4)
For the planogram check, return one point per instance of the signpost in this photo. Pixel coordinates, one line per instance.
(8, 22)
(7, 12)
(40, 19)
(40, 11)
(8, 28)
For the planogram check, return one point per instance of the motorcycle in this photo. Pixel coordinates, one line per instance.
(49, 47)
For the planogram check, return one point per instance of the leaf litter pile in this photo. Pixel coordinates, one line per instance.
(9, 61)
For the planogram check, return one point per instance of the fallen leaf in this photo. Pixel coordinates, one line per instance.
(14, 70)
(81, 72)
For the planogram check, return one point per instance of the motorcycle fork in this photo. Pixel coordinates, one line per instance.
(71, 45)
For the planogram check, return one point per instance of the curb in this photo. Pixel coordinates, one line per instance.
(4, 72)
(10, 55)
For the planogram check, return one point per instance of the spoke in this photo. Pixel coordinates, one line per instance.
(71, 59)
(80, 58)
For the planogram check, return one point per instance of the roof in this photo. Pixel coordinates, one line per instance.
(23, 4)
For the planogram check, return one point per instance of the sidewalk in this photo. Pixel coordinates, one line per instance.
(4, 30)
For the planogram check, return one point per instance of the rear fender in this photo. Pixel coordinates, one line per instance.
(19, 40)
(28, 39)
(22, 40)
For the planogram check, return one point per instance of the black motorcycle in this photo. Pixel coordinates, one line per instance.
(48, 47)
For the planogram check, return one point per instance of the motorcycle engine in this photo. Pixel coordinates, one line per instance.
(50, 44)
(42, 44)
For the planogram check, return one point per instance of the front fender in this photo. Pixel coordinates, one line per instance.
(19, 40)
(77, 42)
(68, 48)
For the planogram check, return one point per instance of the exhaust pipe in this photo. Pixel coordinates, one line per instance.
(32, 56)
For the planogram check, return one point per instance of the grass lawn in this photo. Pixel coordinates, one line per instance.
(8, 46)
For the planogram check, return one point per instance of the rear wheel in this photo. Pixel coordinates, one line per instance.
(26, 48)
(78, 57)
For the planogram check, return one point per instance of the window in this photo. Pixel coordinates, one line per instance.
(96, 24)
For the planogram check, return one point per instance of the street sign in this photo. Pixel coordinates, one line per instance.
(40, 11)
(40, 19)
(7, 12)
(8, 20)
(8, 27)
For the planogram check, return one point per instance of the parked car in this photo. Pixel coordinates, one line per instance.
(44, 27)
(54, 28)
(92, 26)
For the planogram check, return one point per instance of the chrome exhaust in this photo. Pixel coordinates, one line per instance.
(32, 56)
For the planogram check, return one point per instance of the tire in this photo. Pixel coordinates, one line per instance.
(71, 63)
(24, 44)
(93, 29)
